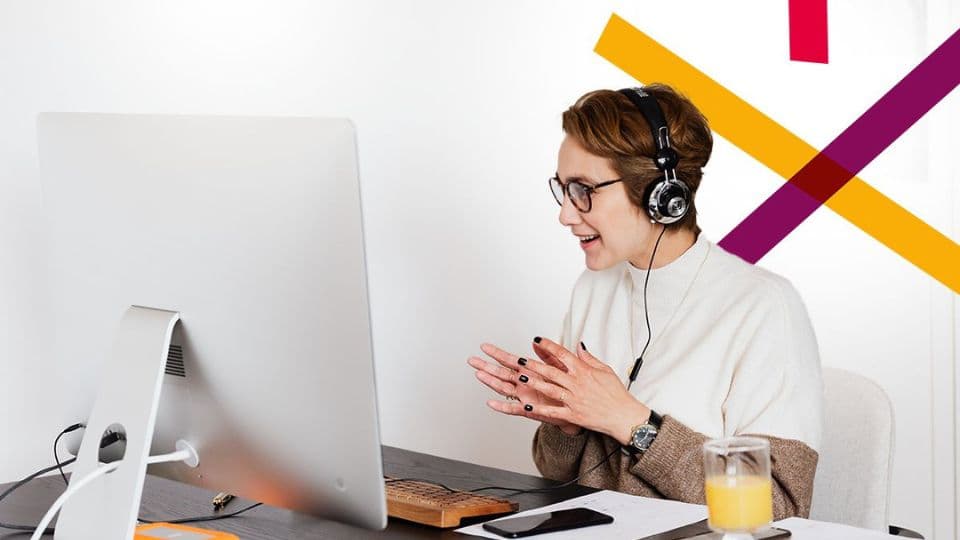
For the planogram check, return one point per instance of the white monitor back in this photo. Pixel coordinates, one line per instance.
(250, 228)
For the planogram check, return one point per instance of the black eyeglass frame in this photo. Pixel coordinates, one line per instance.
(587, 188)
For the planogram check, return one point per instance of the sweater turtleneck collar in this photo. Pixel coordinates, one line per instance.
(672, 280)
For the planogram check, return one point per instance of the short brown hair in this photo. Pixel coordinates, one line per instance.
(607, 124)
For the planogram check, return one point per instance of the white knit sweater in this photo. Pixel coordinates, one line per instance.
(733, 351)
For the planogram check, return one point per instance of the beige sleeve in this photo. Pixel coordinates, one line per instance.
(674, 466)
(556, 454)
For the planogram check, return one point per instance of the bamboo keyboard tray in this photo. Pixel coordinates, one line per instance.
(430, 504)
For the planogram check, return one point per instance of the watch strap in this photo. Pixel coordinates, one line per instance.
(655, 420)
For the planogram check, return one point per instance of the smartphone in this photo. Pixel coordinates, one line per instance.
(561, 520)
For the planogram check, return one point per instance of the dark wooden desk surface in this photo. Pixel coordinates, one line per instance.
(165, 499)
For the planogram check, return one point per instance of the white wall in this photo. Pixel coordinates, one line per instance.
(457, 105)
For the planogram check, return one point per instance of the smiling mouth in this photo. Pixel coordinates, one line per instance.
(588, 239)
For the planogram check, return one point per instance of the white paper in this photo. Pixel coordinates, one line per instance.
(633, 517)
(806, 529)
(636, 517)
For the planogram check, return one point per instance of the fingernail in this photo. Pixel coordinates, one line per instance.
(524, 378)
(537, 339)
(582, 346)
(522, 361)
(528, 407)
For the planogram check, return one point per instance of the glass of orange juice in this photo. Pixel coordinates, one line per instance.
(738, 488)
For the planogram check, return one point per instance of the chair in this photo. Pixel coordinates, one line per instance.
(852, 484)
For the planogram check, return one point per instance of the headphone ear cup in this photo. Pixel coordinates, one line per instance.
(667, 201)
(650, 200)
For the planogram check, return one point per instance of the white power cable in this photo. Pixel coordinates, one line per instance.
(186, 453)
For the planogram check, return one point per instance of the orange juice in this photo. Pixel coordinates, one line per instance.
(739, 503)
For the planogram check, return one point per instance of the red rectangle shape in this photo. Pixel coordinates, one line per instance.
(808, 31)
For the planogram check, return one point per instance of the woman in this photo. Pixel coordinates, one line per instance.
(669, 340)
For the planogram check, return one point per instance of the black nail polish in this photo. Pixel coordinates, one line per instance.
(582, 346)
(522, 361)
(528, 407)
(537, 339)
(524, 378)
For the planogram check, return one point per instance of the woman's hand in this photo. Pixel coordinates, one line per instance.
(507, 379)
(587, 393)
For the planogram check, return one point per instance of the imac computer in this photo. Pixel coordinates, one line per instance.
(208, 291)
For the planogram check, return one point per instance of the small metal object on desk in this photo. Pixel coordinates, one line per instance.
(221, 500)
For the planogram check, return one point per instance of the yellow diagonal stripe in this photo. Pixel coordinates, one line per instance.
(768, 142)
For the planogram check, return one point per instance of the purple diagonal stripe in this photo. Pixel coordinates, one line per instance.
(848, 154)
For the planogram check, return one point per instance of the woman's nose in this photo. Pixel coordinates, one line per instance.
(569, 215)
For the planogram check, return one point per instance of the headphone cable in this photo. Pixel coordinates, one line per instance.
(646, 313)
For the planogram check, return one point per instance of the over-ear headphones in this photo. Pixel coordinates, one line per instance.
(668, 200)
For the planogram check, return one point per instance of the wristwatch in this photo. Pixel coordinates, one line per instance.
(642, 436)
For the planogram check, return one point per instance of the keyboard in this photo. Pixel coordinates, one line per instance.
(430, 504)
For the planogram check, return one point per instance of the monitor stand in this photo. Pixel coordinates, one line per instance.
(127, 400)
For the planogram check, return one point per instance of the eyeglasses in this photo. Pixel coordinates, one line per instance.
(578, 192)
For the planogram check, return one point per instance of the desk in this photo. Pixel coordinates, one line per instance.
(165, 499)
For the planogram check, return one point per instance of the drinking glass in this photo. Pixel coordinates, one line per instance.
(737, 485)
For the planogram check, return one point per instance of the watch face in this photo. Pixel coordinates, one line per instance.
(643, 436)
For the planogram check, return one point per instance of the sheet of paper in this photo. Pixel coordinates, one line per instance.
(636, 517)
(806, 529)
(633, 517)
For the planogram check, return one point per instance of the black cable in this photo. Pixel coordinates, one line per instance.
(56, 441)
(56, 458)
(424, 480)
(213, 517)
(518, 491)
(107, 440)
(646, 313)
(19, 484)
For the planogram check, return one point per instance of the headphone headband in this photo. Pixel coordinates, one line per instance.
(669, 199)
(651, 111)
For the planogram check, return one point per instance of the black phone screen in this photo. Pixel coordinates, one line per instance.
(573, 518)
